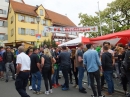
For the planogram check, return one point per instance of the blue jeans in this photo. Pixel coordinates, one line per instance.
(36, 80)
(21, 83)
(109, 79)
(54, 78)
(81, 75)
(65, 72)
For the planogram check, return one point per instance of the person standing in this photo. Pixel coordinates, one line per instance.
(127, 65)
(108, 69)
(36, 72)
(2, 67)
(92, 62)
(8, 58)
(81, 69)
(46, 63)
(74, 68)
(23, 69)
(65, 62)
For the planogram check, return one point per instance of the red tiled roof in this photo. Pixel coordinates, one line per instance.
(56, 18)
(59, 19)
(23, 8)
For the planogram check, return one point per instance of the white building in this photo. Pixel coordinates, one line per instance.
(3, 20)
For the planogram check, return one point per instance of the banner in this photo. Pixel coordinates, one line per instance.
(71, 29)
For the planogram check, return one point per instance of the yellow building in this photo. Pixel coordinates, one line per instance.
(23, 25)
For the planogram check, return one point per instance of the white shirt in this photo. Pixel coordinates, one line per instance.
(24, 60)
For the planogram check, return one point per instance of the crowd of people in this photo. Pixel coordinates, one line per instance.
(33, 65)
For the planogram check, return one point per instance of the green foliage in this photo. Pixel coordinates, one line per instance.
(49, 43)
(118, 11)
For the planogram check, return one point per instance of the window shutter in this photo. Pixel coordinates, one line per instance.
(36, 32)
(19, 30)
(19, 17)
(29, 20)
(47, 34)
(33, 32)
(5, 24)
(46, 22)
(35, 21)
(29, 32)
(26, 32)
(4, 11)
(26, 18)
(42, 22)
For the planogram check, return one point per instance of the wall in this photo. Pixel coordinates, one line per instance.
(11, 26)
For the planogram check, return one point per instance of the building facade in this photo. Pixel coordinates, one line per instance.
(24, 24)
(3, 20)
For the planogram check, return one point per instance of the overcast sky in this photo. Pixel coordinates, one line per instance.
(71, 8)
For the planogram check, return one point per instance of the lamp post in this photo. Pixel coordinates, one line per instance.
(99, 19)
(38, 18)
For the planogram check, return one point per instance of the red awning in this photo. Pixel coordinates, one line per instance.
(122, 34)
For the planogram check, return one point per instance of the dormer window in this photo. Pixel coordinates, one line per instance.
(41, 12)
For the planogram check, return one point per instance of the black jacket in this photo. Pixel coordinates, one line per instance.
(5, 57)
(107, 61)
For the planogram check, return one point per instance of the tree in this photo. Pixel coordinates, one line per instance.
(118, 11)
(49, 43)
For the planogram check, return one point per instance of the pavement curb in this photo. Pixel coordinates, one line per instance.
(119, 91)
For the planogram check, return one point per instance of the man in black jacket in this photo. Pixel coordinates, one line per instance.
(127, 64)
(8, 58)
(108, 69)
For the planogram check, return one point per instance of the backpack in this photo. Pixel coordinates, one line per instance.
(127, 61)
(1, 58)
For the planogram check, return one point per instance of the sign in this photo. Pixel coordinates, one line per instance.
(38, 36)
(71, 29)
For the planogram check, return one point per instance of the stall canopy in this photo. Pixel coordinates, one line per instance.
(76, 41)
(123, 36)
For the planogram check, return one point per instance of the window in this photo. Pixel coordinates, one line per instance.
(6, 0)
(46, 22)
(45, 34)
(43, 22)
(12, 32)
(2, 37)
(22, 31)
(1, 23)
(2, 11)
(21, 18)
(41, 12)
(32, 32)
(12, 19)
(32, 20)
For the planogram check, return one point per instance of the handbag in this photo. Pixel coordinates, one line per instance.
(52, 68)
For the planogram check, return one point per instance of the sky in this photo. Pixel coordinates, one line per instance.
(71, 8)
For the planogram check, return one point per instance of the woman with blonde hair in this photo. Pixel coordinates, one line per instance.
(46, 62)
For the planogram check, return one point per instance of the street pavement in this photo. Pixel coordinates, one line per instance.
(8, 90)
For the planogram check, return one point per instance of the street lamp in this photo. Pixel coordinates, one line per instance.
(38, 19)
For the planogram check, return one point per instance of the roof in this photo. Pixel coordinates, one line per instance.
(56, 18)
(23, 8)
(59, 19)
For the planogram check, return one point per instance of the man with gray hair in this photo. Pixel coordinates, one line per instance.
(23, 70)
